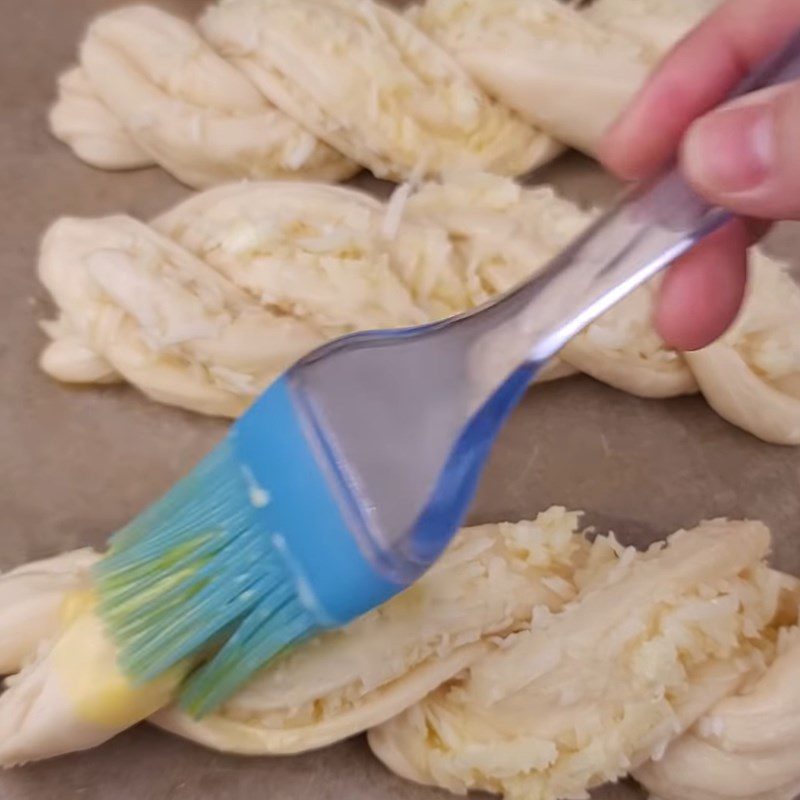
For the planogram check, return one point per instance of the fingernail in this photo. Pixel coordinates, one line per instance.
(730, 150)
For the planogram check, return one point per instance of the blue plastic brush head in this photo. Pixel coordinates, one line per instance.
(276, 536)
(246, 556)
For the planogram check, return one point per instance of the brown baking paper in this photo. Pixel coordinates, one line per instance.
(75, 464)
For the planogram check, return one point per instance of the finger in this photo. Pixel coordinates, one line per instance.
(703, 291)
(695, 77)
(745, 155)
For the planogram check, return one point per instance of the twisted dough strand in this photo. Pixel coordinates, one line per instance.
(584, 696)
(207, 305)
(274, 89)
(529, 660)
(149, 90)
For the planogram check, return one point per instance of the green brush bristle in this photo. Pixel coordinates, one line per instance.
(198, 573)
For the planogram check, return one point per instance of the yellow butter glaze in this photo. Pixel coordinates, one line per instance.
(85, 660)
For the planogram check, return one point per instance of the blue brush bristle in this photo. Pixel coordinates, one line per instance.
(195, 572)
(246, 556)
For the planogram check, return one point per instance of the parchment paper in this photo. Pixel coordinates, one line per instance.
(75, 464)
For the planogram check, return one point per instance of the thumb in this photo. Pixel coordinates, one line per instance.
(745, 156)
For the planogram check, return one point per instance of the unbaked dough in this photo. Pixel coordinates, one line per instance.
(149, 90)
(161, 318)
(549, 662)
(649, 645)
(90, 128)
(623, 349)
(499, 233)
(314, 88)
(482, 589)
(746, 747)
(751, 376)
(31, 597)
(303, 263)
(527, 609)
(296, 264)
(366, 81)
(68, 693)
(312, 252)
(543, 59)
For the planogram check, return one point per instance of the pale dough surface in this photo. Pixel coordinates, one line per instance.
(752, 375)
(315, 89)
(67, 693)
(156, 93)
(650, 644)
(530, 659)
(222, 293)
(745, 747)
(207, 305)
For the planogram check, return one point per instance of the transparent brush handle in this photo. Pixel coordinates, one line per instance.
(652, 226)
(508, 341)
(405, 419)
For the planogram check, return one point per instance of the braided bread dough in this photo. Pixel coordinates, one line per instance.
(150, 90)
(578, 660)
(312, 252)
(499, 592)
(499, 232)
(299, 264)
(346, 681)
(97, 136)
(160, 318)
(746, 747)
(543, 59)
(651, 643)
(751, 376)
(31, 597)
(65, 692)
(69, 694)
(313, 88)
(366, 81)
(249, 277)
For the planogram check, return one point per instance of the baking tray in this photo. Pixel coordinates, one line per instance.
(75, 464)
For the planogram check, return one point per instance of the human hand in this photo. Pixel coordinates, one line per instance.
(743, 155)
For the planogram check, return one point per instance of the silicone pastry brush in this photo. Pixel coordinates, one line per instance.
(348, 477)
